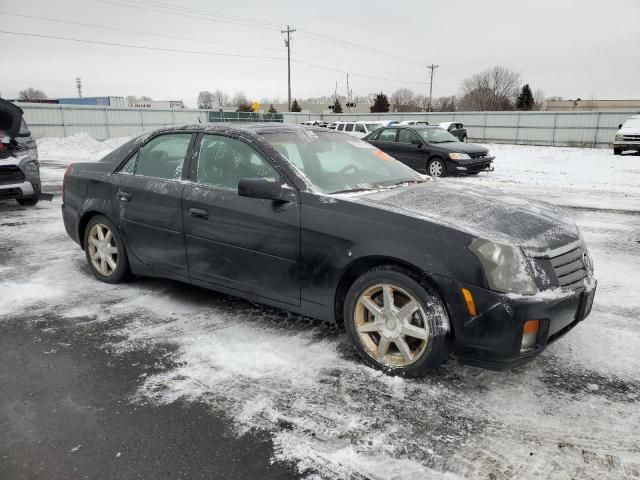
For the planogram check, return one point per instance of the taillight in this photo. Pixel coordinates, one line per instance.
(3, 147)
(64, 179)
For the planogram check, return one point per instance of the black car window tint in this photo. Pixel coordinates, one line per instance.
(348, 127)
(340, 127)
(387, 135)
(163, 156)
(406, 136)
(359, 128)
(224, 161)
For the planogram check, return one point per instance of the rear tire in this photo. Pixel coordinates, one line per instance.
(395, 323)
(437, 168)
(105, 251)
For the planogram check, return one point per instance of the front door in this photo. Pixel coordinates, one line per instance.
(149, 200)
(385, 140)
(246, 244)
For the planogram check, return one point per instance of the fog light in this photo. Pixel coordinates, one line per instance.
(468, 298)
(530, 334)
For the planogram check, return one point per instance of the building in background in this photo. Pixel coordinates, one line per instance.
(94, 101)
(593, 105)
(161, 104)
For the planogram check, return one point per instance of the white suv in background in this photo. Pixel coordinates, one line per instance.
(628, 136)
(358, 129)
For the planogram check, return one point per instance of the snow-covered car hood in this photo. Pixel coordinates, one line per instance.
(629, 131)
(480, 211)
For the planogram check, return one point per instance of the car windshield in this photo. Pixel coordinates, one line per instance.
(436, 135)
(336, 163)
(632, 122)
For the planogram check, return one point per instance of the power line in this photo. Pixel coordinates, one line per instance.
(142, 47)
(173, 37)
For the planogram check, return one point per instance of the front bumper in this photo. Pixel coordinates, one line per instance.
(493, 338)
(17, 190)
(473, 166)
(632, 145)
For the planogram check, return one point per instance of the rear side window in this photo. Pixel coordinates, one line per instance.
(224, 161)
(340, 127)
(162, 157)
(359, 128)
(387, 135)
(348, 127)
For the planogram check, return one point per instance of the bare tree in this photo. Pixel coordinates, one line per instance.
(205, 99)
(590, 104)
(32, 94)
(445, 104)
(220, 98)
(539, 102)
(239, 99)
(405, 100)
(494, 89)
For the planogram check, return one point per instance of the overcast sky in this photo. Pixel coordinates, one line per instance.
(567, 48)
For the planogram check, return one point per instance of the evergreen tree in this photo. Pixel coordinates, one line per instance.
(337, 106)
(272, 109)
(525, 99)
(295, 106)
(380, 104)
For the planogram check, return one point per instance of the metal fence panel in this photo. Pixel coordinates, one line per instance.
(594, 129)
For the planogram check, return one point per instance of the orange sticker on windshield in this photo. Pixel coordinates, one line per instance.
(382, 155)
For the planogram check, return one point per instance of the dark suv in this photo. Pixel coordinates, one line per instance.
(19, 167)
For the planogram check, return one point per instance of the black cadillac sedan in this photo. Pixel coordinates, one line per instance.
(326, 225)
(431, 150)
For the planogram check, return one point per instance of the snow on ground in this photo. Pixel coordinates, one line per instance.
(572, 413)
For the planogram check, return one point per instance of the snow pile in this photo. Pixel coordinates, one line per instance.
(80, 147)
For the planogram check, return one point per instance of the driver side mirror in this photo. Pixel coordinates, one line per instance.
(261, 188)
(417, 142)
(619, 126)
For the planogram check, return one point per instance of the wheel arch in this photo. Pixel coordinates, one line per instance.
(363, 264)
(84, 221)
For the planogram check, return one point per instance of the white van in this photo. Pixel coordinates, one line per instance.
(628, 136)
(358, 129)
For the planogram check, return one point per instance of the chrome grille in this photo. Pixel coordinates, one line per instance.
(570, 268)
(630, 138)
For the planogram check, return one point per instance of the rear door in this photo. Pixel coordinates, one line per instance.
(359, 130)
(149, 200)
(246, 244)
(411, 154)
(385, 140)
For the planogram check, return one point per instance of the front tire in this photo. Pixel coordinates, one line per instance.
(105, 251)
(395, 323)
(29, 201)
(617, 151)
(437, 168)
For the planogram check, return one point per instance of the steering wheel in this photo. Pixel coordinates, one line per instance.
(351, 166)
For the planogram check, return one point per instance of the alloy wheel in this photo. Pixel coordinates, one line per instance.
(391, 325)
(103, 250)
(435, 169)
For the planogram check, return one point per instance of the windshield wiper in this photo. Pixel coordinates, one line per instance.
(350, 190)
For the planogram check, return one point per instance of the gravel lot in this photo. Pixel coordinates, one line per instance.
(158, 379)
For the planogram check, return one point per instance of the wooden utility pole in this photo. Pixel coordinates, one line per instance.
(287, 43)
(431, 67)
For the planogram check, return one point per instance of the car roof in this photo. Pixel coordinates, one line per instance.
(240, 128)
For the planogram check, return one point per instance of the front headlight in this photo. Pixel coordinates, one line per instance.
(619, 138)
(459, 156)
(505, 267)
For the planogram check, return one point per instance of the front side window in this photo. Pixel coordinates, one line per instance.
(387, 135)
(359, 128)
(224, 161)
(335, 163)
(407, 136)
(162, 157)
